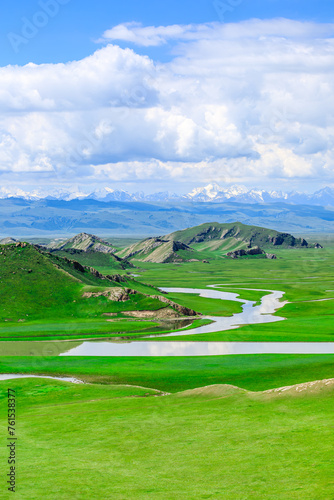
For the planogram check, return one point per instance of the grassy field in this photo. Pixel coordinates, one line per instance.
(172, 374)
(305, 275)
(120, 329)
(117, 437)
(91, 441)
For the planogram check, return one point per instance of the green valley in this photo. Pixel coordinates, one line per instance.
(163, 426)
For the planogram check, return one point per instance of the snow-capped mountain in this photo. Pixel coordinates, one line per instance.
(107, 194)
(212, 193)
(54, 194)
(216, 194)
(18, 193)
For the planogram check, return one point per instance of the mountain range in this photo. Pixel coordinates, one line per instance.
(20, 218)
(212, 193)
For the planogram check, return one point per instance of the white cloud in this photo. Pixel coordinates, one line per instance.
(146, 36)
(237, 102)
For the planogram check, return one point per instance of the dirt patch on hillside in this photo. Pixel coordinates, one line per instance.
(115, 294)
(314, 387)
(165, 312)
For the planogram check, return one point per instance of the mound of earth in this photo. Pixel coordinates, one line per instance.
(213, 391)
(217, 391)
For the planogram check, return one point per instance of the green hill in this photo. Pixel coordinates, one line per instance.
(36, 285)
(89, 250)
(212, 241)
(234, 236)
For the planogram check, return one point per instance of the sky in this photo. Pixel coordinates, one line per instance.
(157, 96)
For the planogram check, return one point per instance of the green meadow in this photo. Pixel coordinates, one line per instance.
(173, 374)
(306, 276)
(94, 441)
(166, 428)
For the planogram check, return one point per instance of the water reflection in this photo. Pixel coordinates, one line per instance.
(154, 348)
(250, 315)
(11, 376)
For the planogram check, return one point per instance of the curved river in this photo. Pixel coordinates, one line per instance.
(251, 314)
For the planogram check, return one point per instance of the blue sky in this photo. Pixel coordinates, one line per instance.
(71, 33)
(163, 95)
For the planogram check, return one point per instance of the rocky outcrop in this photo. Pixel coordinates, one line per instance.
(168, 252)
(156, 250)
(114, 294)
(163, 313)
(78, 267)
(142, 248)
(207, 234)
(185, 311)
(117, 278)
(242, 253)
(288, 240)
(252, 251)
(317, 245)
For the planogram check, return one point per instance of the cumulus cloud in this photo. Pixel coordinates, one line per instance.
(243, 102)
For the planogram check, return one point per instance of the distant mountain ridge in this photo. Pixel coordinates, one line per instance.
(212, 193)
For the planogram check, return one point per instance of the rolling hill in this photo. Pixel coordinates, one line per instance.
(213, 240)
(35, 285)
(83, 241)
(239, 234)
(89, 250)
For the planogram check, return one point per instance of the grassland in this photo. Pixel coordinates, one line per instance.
(251, 372)
(113, 439)
(305, 275)
(124, 443)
